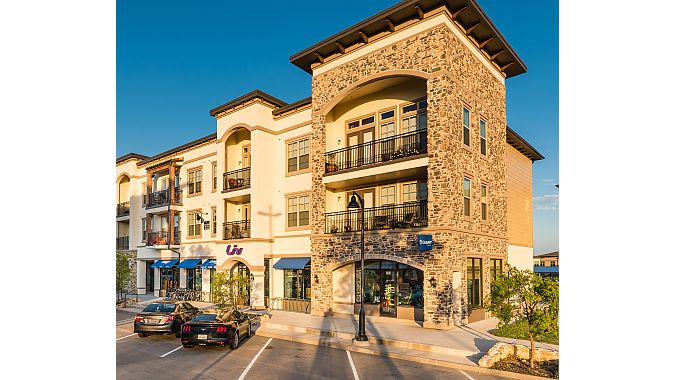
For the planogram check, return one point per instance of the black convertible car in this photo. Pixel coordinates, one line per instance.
(163, 317)
(215, 326)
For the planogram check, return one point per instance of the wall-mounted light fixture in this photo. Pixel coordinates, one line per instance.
(316, 279)
(433, 282)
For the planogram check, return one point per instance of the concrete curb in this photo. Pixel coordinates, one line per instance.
(375, 340)
(394, 355)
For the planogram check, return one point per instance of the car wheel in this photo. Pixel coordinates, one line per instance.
(234, 340)
(142, 335)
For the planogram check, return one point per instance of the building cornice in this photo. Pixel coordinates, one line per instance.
(253, 97)
(520, 144)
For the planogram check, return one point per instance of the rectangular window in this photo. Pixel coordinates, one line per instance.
(387, 127)
(387, 195)
(195, 181)
(466, 193)
(298, 211)
(410, 192)
(496, 268)
(297, 283)
(194, 227)
(143, 230)
(465, 126)
(298, 155)
(484, 202)
(414, 116)
(474, 292)
(482, 135)
(213, 221)
(214, 174)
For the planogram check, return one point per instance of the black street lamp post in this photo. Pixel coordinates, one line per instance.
(361, 334)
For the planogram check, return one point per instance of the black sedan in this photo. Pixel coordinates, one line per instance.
(216, 327)
(163, 318)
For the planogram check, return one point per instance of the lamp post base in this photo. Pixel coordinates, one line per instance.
(361, 340)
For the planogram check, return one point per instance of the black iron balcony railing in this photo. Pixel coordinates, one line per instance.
(162, 237)
(376, 151)
(162, 197)
(122, 242)
(240, 229)
(407, 215)
(123, 209)
(237, 179)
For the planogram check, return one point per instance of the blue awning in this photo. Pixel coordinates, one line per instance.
(209, 264)
(164, 263)
(291, 263)
(542, 269)
(189, 264)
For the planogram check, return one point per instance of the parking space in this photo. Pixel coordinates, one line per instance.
(162, 356)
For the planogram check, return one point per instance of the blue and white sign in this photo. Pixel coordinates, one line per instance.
(425, 242)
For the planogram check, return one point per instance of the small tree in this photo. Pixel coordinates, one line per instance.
(229, 290)
(122, 272)
(523, 296)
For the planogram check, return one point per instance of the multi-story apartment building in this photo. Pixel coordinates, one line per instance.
(408, 113)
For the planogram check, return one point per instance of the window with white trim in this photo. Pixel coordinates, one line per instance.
(482, 136)
(484, 201)
(214, 174)
(195, 181)
(387, 196)
(298, 155)
(387, 126)
(465, 126)
(414, 116)
(466, 195)
(298, 211)
(194, 227)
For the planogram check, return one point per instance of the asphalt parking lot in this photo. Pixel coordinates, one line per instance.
(162, 357)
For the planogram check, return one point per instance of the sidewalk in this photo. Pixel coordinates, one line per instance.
(462, 345)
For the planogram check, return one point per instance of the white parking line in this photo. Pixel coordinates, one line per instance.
(125, 321)
(126, 336)
(354, 370)
(246, 370)
(175, 349)
(466, 375)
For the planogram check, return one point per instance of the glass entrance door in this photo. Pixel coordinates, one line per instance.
(388, 306)
(150, 277)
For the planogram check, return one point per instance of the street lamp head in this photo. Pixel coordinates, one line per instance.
(353, 202)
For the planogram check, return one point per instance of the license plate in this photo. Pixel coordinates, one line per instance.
(202, 336)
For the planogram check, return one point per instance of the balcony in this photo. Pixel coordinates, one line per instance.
(377, 151)
(122, 243)
(122, 209)
(237, 179)
(162, 237)
(240, 229)
(162, 198)
(408, 215)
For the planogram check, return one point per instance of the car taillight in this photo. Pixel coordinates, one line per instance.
(221, 329)
(138, 318)
(186, 328)
(170, 318)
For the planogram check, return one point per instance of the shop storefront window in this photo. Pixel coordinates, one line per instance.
(389, 284)
(169, 278)
(297, 283)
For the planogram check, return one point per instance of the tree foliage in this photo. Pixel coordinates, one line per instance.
(229, 290)
(524, 297)
(122, 272)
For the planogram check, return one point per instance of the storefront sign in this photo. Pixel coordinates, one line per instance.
(425, 242)
(234, 250)
(206, 225)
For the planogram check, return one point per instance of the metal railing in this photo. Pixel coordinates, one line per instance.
(372, 152)
(237, 179)
(162, 198)
(240, 229)
(183, 294)
(290, 304)
(123, 209)
(407, 215)
(122, 242)
(162, 237)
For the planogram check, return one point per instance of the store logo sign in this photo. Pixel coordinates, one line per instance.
(425, 242)
(233, 250)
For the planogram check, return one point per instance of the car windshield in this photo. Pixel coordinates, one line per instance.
(160, 308)
(205, 317)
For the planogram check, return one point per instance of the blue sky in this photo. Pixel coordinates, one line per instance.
(176, 60)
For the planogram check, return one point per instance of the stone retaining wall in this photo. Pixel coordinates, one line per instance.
(502, 350)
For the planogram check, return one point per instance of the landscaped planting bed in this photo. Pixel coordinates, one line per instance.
(548, 368)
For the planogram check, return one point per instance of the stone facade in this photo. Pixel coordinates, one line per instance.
(454, 77)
